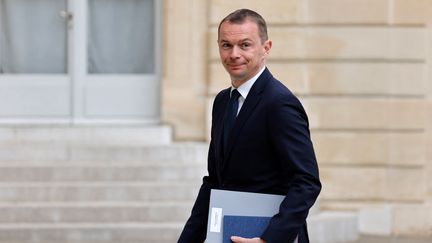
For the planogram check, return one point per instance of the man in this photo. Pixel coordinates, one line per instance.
(267, 149)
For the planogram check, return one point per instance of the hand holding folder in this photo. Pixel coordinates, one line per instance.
(243, 226)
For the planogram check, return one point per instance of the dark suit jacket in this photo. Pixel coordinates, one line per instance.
(269, 151)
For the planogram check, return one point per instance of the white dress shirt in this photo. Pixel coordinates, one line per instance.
(245, 88)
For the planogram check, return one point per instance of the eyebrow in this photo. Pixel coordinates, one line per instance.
(242, 40)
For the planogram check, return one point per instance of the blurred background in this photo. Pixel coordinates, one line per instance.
(105, 109)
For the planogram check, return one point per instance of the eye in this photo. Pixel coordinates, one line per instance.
(245, 45)
(226, 45)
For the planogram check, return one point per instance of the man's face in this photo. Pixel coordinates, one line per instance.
(241, 51)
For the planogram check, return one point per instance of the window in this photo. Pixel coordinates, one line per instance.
(121, 36)
(32, 36)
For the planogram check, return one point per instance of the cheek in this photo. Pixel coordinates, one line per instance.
(223, 56)
(250, 56)
(261, 55)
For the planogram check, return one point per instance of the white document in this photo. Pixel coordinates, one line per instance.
(216, 220)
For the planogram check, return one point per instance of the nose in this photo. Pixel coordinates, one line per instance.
(235, 52)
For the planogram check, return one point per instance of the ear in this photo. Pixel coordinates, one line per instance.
(267, 46)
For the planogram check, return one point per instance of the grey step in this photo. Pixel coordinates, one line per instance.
(90, 233)
(101, 172)
(99, 192)
(130, 135)
(333, 227)
(35, 153)
(137, 212)
(326, 227)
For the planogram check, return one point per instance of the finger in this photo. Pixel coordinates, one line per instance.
(237, 239)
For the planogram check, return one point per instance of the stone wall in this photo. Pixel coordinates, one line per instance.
(362, 70)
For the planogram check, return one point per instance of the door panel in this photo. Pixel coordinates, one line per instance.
(127, 96)
(33, 51)
(38, 96)
(121, 80)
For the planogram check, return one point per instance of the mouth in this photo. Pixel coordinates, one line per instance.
(235, 66)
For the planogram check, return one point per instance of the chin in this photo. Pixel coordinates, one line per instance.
(237, 78)
(237, 73)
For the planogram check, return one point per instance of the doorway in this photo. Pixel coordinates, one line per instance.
(80, 61)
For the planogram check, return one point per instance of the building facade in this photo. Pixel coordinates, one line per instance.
(361, 68)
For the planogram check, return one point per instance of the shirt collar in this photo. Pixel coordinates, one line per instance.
(246, 86)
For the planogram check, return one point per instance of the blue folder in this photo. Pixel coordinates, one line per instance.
(243, 226)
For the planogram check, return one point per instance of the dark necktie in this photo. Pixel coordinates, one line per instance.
(231, 114)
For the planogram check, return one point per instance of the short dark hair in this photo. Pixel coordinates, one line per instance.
(241, 15)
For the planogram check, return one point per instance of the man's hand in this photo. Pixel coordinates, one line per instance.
(237, 239)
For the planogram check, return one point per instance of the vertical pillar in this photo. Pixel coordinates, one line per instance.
(184, 68)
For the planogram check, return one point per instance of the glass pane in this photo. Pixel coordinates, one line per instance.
(121, 36)
(32, 36)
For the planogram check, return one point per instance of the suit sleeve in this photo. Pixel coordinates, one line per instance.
(289, 132)
(196, 226)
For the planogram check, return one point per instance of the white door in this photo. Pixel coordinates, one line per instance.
(79, 61)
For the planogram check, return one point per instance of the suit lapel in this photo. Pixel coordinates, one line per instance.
(252, 100)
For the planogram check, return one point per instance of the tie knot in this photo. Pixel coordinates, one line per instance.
(235, 94)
